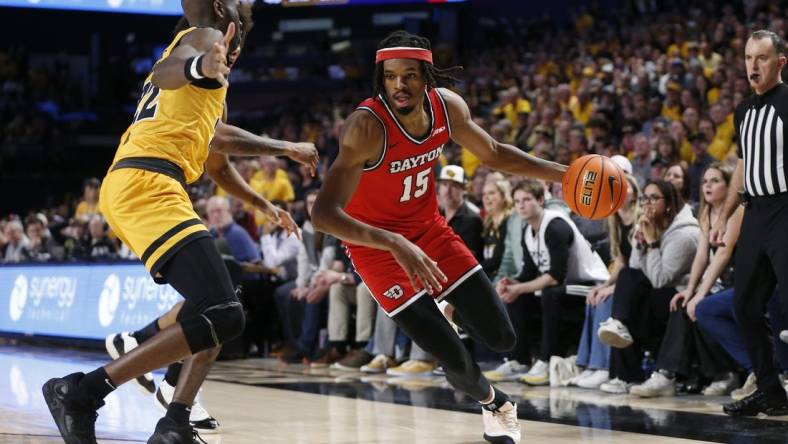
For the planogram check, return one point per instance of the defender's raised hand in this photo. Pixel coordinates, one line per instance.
(214, 62)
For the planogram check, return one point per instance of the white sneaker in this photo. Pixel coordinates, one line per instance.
(118, 345)
(562, 370)
(508, 371)
(585, 374)
(538, 375)
(502, 425)
(749, 387)
(616, 387)
(784, 336)
(657, 385)
(723, 387)
(200, 419)
(594, 381)
(615, 334)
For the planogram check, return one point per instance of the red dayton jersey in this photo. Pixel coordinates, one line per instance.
(397, 193)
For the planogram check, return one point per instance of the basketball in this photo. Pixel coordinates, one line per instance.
(594, 187)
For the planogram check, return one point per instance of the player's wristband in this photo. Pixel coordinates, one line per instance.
(192, 69)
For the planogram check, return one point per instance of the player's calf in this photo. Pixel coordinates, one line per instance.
(118, 345)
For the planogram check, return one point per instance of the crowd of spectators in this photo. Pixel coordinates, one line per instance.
(38, 101)
(654, 88)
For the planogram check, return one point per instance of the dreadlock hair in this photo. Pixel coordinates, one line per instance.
(434, 76)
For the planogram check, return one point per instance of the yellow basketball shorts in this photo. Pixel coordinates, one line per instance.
(151, 213)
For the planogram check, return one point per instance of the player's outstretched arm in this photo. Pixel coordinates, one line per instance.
(361, 137)
(362, 142)
(226, 176)
(201, 53)
(230, 139)
(500, 156)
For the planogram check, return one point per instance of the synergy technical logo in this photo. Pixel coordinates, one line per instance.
(18, 300)
(109, 300)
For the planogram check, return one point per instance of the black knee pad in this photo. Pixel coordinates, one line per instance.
(227, 321)
(214, 326)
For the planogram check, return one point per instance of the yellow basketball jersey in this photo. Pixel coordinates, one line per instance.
(176, 125)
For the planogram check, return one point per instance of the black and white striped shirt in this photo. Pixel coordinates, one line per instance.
(760, 134)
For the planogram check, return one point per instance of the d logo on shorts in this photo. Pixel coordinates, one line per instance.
(394, 292)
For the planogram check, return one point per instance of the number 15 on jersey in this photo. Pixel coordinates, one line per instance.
(422, 184)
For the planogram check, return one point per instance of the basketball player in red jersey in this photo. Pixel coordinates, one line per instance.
(379, 198)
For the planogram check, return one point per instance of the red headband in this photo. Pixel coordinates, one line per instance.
(404, 52)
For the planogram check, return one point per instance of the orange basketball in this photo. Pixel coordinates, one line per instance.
(594, 187)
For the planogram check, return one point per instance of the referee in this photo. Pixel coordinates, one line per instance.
(761, 122)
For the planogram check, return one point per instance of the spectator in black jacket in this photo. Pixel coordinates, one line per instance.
(461, 216)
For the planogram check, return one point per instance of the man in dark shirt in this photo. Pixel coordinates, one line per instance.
(462, 218)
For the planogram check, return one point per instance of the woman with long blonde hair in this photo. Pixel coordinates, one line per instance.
(683, 341)
(497, 201)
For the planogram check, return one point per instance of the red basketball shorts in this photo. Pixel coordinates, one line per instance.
(388, 282)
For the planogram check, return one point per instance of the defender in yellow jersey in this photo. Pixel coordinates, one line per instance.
(143, 197)
(163, 149)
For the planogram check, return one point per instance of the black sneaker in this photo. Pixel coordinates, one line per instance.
(74, 414)
(168, 432)
(118, 345)
(758, 402)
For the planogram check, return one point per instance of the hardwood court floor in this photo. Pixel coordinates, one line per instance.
(269, 402)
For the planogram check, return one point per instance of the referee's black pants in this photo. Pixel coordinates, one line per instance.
(761, 264)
